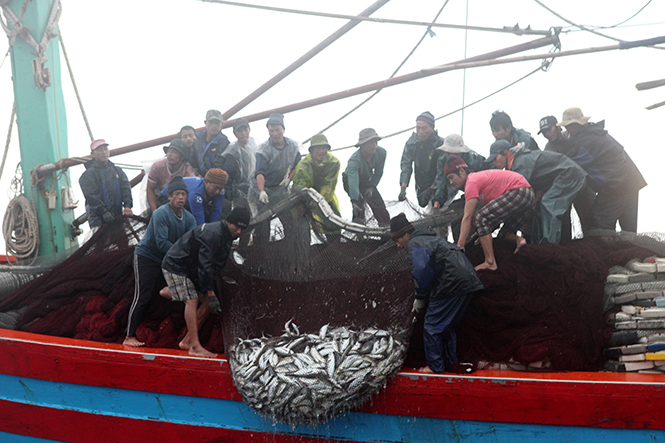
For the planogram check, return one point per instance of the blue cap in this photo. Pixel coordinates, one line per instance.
(498, 147)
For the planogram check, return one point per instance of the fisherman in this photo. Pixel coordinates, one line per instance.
(162, 171)
(105, 187)
(556, 180)
(444, 277)
(191, 268)
(362, 175)
(453, 145)
(502, 129)
(239, 160)
(420, 150)
(167, 224)
(612, 173)
(319, 170)
(212, 143)
(505, 196)
(559, 141)
(188, 135)
(206, 196)
(276, 159)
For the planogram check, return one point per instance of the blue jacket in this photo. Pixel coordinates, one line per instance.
(196, 200)
(106, 189)
(163, 230)
(208, 154)
(440, 269)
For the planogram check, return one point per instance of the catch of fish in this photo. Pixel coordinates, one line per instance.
(308, 378)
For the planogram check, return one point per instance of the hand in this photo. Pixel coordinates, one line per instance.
(108, 217)
(358, 211)
(402, 194)
(263, 197)
(437, 205)
(127, 211)
(213, 304)
(369, 193)
(418, 305)
(285, 182)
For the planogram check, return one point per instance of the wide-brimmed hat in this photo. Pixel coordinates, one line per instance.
(366, 135)
(97, 144)
(573, 115)
(178, 145)
(318, 140)
(454, 144)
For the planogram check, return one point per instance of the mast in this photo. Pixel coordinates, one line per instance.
(42, 120)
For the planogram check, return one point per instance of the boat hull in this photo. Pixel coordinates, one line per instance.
(54, 389)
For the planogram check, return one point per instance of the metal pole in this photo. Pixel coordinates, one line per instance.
(302, 60)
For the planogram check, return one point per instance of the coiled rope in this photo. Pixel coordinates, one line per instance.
(20, 229)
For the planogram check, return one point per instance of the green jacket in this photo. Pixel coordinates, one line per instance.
(521, 136)
(322, 177)
(359, 174)
(421, 157)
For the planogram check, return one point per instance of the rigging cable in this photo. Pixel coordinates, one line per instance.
(542, 67)
(629, 18)
(425, 34)
(466, 34)
(76, 90)
(9, 139)
(585, 28)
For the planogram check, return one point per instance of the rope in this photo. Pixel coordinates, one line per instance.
(425, 34)
(20, 229)
(14, 29)
(584, 28)
(76, 90)
(9, 139)
(541, 67)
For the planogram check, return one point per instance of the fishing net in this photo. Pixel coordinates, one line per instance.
(348, 290)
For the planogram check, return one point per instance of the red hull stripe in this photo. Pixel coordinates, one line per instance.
(43, 424)
(574, 399)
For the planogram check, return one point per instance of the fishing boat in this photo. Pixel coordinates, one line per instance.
(65, 389)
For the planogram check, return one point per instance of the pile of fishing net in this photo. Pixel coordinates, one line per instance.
(543, 307)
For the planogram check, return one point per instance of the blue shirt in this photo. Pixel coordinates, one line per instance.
(196, 200)
(164, 229)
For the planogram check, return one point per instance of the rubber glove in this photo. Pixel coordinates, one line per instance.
(369, 193)
(402, 195)
(263, 197)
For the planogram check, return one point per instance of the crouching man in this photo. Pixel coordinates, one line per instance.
(445, 277)
(190, 269)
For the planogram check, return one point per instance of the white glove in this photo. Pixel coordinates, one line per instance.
(418, 305)
(263, 197)
(285, 182)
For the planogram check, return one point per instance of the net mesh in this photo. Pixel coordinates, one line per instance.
(545, 303)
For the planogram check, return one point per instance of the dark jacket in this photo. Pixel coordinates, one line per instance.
(521, 136)
(422, 156)
(200, 254)
(208, 154)
(443, 190)
(440, 269)
(106, 189)
(604, 159)
(361, 174)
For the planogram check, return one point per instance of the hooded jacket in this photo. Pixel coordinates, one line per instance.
(422, 156)
(106, 189)
(604, 159)
(440, 269)
(200, 254)
(320, 176)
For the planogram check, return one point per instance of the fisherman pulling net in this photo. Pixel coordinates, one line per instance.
(545, 303)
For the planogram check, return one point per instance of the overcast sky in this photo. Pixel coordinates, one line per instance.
(144, 69)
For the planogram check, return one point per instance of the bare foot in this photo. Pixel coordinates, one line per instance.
(184, 344)
(426, 369)
(132, 341)
(200, 351)
(489, 266)
(166, 293)
(520, 242)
